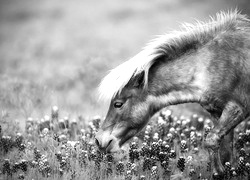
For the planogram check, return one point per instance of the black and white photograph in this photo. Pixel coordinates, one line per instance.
(124, 90)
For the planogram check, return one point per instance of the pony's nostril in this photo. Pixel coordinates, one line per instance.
(109, 142)
(97, 142)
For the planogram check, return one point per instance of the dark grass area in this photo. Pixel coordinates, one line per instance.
(170, 147)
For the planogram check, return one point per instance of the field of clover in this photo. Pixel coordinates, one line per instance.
(169, 147)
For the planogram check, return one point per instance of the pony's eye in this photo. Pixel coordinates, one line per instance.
(118, 104)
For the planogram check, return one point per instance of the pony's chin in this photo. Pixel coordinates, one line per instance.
(119, 149)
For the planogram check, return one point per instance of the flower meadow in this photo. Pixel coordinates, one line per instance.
(168, 147)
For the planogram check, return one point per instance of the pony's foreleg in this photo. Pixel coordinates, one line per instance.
(217, 140)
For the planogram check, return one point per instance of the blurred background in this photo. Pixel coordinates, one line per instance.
(55, 52)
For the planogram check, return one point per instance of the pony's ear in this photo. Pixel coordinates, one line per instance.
(139, 80)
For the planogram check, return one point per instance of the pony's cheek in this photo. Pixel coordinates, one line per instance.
(129, 133)
(119, 130)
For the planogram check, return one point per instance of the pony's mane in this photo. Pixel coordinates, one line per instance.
(172, 45)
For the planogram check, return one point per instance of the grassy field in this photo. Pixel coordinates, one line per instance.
(56, 148)
(55, 52)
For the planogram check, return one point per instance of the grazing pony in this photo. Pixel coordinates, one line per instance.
(205, 63)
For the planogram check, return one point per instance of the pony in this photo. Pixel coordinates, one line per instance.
(206, 63)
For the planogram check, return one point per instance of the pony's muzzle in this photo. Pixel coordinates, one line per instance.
(105, 141)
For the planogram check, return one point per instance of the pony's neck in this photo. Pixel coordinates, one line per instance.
(178, 81)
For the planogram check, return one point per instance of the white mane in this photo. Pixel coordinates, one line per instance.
(202, 32)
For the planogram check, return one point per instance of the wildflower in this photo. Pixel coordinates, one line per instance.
(96, 121)
(66, 122)
(109, 158)
(147, 164)
(15, 167)
(207, 129)
(165, 147)
(181, 163)
(45, 131)
(134, 169)
(83, 155)
(146, 138)
(233, 172)
(239, 143)
(164, 164)
(242, 153)
(145, 150)
(172, 154)
(154, 172)
(120, 168)
(170, 137)
(21, 176)
(58, 156)
(216, 176)
(37, 154)
(61, 124)
(155, 149)
(227, 170)
(192, 172)
(247, 168)
(134, 154)
(54, 114)
(134, 145)
(109, 169)
(241, 166)
(6, 167)
(21, 147)
(163, 156)
(200, 123)
(6, 143)
(92, 155)
(62, 138)
(23, 165)
(142, 177)
(183, 146)
(128, 175)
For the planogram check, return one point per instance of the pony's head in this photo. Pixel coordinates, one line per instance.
(125, 87)
(126, 116)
